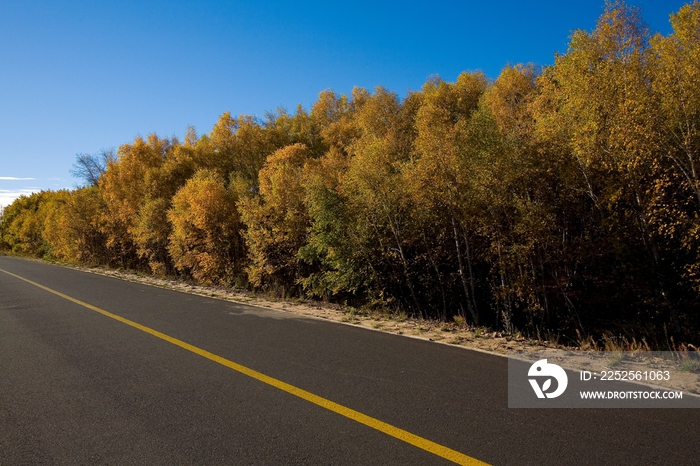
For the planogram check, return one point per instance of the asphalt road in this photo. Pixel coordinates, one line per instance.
(80, 387)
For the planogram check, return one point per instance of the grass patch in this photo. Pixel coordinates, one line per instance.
(615, 358)
(690, 365)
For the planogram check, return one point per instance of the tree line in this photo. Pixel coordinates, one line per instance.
(562, 200)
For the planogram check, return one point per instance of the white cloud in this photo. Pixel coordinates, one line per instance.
(14, 178)
(7, 196)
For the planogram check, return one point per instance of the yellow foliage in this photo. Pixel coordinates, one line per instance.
(277, 220)
(205, 238)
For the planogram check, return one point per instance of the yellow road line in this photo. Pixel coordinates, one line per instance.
(357, 416)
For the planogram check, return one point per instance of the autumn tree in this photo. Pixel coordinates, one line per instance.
(205, 240)
(277, 220)
(125, 187)
(82, 235)
(239, 147)
(440, 181)
(339, 263)
(676, 74)
(152, 228)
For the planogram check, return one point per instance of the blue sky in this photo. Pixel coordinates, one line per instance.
(79, 76)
